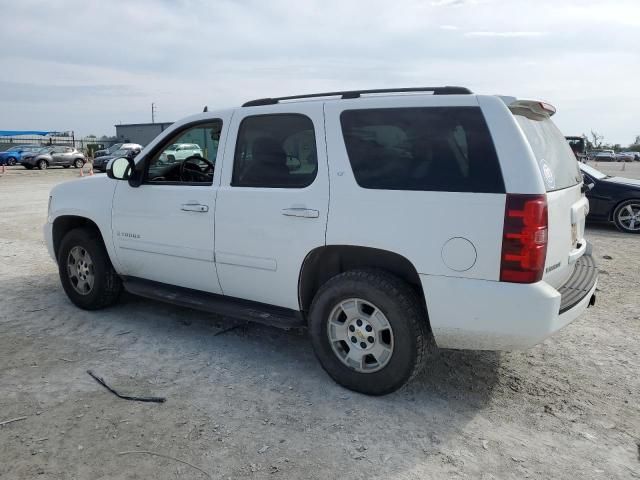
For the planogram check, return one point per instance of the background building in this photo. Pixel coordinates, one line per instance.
(142, 133)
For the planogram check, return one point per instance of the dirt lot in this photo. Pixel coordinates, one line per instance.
(254, 403)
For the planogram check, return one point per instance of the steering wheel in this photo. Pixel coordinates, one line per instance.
(190, 168)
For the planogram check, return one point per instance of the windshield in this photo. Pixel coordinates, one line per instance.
(14, 149)
(555, 158)
(121, 153)
(114, 148)
(597, 174)
(174, 146)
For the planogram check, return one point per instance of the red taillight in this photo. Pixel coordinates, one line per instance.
(524, 238)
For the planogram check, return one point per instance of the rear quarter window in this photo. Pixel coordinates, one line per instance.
(558, 165)
(427, 148)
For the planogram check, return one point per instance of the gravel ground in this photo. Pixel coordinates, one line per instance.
(254, 403)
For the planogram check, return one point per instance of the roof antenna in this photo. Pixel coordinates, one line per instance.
(206, 109)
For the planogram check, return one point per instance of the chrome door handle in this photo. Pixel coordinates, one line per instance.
(300, 212)
(194, 207)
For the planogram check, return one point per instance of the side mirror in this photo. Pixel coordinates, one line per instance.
(591, 185)
(120, 168)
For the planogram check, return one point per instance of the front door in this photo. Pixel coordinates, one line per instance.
(272, 203)
(163, 230)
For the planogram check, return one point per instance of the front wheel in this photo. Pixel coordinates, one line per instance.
(627, 216)
(42, 164)
(79, 163)
(369, 331)
(86, 273)
(11, 161)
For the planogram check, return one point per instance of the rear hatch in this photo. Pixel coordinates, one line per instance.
(567, 205)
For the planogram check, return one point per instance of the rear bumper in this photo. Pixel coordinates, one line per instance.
(487, 315)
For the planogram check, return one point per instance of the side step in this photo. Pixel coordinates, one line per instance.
(232, 307)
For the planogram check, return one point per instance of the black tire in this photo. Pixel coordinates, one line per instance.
(621, 210)
(412, 339)
(11, 161)
(27, 166)
(42, 164)
(78, 163)
(66, 166)
(107, 285)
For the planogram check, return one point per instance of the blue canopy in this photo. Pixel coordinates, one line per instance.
(15, 133)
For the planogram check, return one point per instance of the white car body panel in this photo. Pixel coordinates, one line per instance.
(156, 239)
(259, 249)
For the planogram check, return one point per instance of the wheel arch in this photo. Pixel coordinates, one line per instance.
(65, 223)
(325, 262)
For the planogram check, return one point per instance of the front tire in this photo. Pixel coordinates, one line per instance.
(11, 162)
(86, 273)
(626, 216)
(42, 164)
(369, 331)
(79, 163)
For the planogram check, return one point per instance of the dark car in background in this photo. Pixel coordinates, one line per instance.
(613, 199)
(55, 155)
(14, 155)
(100, 163)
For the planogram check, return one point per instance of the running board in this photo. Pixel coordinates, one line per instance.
(232, 307)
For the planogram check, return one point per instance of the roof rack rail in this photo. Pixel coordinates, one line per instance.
(448, 90)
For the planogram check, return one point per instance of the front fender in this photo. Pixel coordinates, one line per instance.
(90, 198)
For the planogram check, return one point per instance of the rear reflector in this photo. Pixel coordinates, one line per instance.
(524, 238)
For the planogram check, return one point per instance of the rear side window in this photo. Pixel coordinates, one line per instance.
(429, 149)
(275, 151)
(556, 160)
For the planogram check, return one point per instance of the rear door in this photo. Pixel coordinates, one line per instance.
(567, 204)
(273, 201)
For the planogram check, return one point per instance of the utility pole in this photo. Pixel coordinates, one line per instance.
(153, 113)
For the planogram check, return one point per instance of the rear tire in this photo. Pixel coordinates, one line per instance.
(372, 358)
(626, 216)
(86, 273)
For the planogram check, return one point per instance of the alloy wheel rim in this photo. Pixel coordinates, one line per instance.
(80, 270)
(360, 335)
(629, 217)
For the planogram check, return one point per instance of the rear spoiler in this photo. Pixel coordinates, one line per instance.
(535, 106)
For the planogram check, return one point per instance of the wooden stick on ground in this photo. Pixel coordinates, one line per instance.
(12, 420)
(145, 452)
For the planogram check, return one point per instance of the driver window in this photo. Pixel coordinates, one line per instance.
(188, 158)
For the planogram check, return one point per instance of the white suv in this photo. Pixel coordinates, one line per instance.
(181, 151)
(388, 223)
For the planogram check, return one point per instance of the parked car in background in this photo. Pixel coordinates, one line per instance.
(53, 156)
(605, 156)
(181, 151)
(625, 157)
(14, 155)
(636, 156)
(613, 199)
(100, 163)
(114, 148)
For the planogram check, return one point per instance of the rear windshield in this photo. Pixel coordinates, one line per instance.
(427, 148)
(557, 163)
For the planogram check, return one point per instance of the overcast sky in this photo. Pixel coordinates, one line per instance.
(86, 65)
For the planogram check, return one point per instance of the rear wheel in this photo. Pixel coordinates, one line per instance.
(86, 273)
(627, 216)
(369, 331)
(43, 164)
